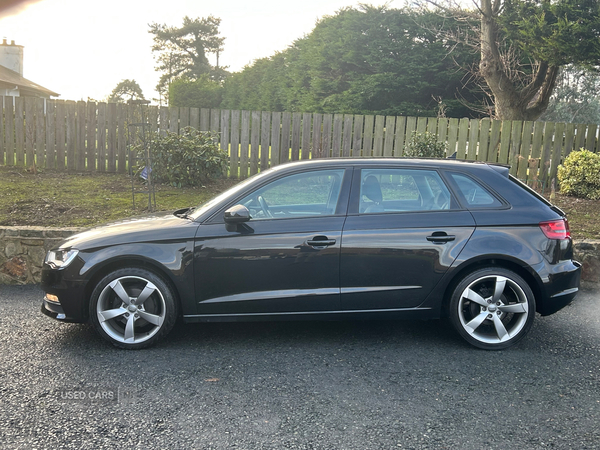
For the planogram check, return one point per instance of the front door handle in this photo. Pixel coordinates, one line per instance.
(439, 237)
(320, 241)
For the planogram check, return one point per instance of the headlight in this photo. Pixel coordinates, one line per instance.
(58, 259)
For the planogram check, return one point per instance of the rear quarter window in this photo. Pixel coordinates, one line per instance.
(474, 193)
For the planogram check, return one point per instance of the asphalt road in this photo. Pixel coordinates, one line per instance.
(342, 385)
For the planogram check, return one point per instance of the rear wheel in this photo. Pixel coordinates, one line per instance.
(133, 308)
(492, 308)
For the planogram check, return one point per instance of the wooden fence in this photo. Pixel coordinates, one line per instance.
(89, 136)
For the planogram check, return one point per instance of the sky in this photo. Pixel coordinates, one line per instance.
(82, 49)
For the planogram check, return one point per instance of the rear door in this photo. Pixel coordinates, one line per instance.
(404, 229)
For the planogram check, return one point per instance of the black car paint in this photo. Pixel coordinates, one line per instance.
(215, 271)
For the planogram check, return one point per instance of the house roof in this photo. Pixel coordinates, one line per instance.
(11, 77)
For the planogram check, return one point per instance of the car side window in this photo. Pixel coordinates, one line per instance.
(305, 194)
(402, 190)
(474, 193)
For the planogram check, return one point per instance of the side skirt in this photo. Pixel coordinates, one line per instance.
(377, 314)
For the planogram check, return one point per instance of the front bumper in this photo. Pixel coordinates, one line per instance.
(56, 311)
(72, 305)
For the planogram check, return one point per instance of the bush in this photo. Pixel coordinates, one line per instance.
(425, 145)
(187, 159)
(579, 175)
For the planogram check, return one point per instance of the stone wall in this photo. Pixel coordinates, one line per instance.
(588, 254)
(22, 251)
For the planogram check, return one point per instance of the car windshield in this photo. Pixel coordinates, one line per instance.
(202, 208)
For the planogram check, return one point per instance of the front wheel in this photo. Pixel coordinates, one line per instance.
(492, 308)
(133, 308)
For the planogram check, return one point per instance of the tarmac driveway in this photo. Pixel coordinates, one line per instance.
(311, 385)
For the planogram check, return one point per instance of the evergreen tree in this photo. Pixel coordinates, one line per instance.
(182, 51)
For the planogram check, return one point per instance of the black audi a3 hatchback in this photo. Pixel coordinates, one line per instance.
(328, 239)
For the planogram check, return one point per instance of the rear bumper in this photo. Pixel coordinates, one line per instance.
(561, 287)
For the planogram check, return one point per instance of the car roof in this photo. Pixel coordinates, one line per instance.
(393, 161)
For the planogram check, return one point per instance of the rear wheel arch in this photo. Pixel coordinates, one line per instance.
(462, 271)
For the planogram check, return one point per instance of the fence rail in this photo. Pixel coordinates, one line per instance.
(90, 136)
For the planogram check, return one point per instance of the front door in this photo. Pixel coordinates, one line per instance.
(285, 259)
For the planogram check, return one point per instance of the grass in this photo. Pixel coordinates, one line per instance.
(583, 215)
(56, 199)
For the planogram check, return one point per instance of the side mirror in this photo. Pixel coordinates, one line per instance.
(236, 215)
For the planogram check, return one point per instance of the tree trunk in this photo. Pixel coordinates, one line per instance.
(511, 102)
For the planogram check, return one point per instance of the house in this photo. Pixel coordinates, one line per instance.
(12, 82)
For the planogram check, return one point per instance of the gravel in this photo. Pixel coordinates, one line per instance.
(298, 385)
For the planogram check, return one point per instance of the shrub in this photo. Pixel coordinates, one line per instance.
(425, 145)
(579, 175)
(187, 159)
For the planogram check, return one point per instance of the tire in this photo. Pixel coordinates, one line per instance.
(492, 308)
(133, 308)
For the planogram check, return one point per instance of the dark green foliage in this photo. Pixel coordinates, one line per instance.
(558, 32)
(579, 175)
(200, 93)
(575, 98)
(190, 158)
(362, 61)
(126, 90)
(425, 145)
(181, 52)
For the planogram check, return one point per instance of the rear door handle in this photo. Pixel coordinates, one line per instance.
(439, 237)
(320, 241)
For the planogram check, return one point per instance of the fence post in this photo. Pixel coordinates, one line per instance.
(357, 138)
(234, 171)
(317, 142)
(50, 134)
(265, 137)
(347, 136)
(306, 128)
(254, 142)
(29, 131)
(275, 138)
(245, 142)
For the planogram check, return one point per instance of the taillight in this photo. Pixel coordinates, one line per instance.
(556, 229)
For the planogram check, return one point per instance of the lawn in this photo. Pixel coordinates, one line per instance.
(55, 199)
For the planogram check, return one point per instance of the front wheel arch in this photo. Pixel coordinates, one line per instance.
(133, 308)
(112, 265)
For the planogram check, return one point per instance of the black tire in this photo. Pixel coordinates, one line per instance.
(492, 308)
(133, 308)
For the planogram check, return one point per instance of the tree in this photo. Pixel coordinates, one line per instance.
(575, 98)
(523, 44)
(182, 51)
(126, 90)
(366, 60)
